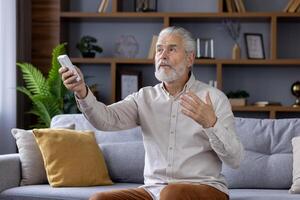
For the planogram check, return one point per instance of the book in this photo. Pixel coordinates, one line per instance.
(105, 5)
(242, 5)
(229, 6)
(237, 5)
(294, 6)
(288, 5)
(298, 9)
(152, 48)
(101, 6)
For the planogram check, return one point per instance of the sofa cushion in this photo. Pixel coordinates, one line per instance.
(261, 194)
(46, 192)
(296, 166)
(32, 165)
(268, 153)
(71, 158)
(125, 161)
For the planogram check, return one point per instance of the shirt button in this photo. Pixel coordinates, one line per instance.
(172, 132)
(169, 165)
(174, 116)
(170, 148)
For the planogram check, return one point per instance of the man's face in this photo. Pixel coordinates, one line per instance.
(171, 60)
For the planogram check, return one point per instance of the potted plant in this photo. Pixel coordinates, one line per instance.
(47, 94)
(238, 98)
(87, 48)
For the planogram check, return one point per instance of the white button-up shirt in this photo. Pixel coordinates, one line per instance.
(177, 148)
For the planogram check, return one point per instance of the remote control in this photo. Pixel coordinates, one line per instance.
(65, 61)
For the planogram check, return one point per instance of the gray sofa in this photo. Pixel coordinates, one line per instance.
(265, 173)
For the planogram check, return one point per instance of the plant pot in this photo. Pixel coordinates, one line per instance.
(237, 101)
(88, 54)
(236, 52)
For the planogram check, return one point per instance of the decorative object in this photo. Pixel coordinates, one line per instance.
(238, 98)
(68, 152)
(130, 82)
(254, 45)
(296, 92)
(126, 47)
(87, 48)
(205, 48)
(233, 29)
(145, 5)
(47, 94)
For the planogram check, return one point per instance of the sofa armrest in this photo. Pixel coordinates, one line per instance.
(9, 171)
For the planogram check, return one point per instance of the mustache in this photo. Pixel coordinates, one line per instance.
(164, 63)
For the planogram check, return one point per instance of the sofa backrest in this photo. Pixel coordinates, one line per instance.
(268, 157)
(81, 123)
(267, 142)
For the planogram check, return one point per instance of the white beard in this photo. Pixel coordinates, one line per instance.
(173, 75)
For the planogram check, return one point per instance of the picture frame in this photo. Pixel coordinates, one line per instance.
(254, 45)
(130, 81)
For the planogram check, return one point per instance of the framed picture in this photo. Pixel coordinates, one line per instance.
(130, 82)
(254, 45)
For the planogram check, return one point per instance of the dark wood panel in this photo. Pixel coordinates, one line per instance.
(45, 31)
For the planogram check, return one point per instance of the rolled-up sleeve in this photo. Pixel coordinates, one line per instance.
(222, 136)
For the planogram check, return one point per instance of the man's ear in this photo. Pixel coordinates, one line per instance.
(191, 59)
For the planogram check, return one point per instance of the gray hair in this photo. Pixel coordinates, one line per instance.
(188, 41)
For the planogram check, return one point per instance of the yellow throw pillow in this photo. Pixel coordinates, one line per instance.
(72, 158)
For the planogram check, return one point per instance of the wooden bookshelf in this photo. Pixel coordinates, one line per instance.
(63, 16)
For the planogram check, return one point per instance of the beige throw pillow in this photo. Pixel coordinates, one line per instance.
(32, 164)
(295, 189)
(72, 158)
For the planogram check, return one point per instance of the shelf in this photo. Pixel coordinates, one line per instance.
(176, 15)
(179, 17)
(266, 109)
(262, 62)
(197, 61)
(110, 17)
(273, 110)
(112, 60)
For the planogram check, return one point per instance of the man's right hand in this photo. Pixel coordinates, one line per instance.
(69, 80)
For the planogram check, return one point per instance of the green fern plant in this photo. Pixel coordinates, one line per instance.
(46, 93)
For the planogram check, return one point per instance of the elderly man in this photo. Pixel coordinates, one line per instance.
(188, 126)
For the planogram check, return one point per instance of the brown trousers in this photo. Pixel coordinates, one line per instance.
(170, 192)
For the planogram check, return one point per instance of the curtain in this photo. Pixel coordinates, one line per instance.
(7, 75)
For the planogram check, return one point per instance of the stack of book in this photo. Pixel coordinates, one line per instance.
(292, 6)
(235, 6)
(103, 6)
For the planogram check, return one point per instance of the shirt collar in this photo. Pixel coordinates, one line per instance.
(186, 87)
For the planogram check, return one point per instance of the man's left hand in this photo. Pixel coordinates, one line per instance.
(200, 111)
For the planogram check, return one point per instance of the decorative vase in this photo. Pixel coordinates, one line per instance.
(236, 52)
